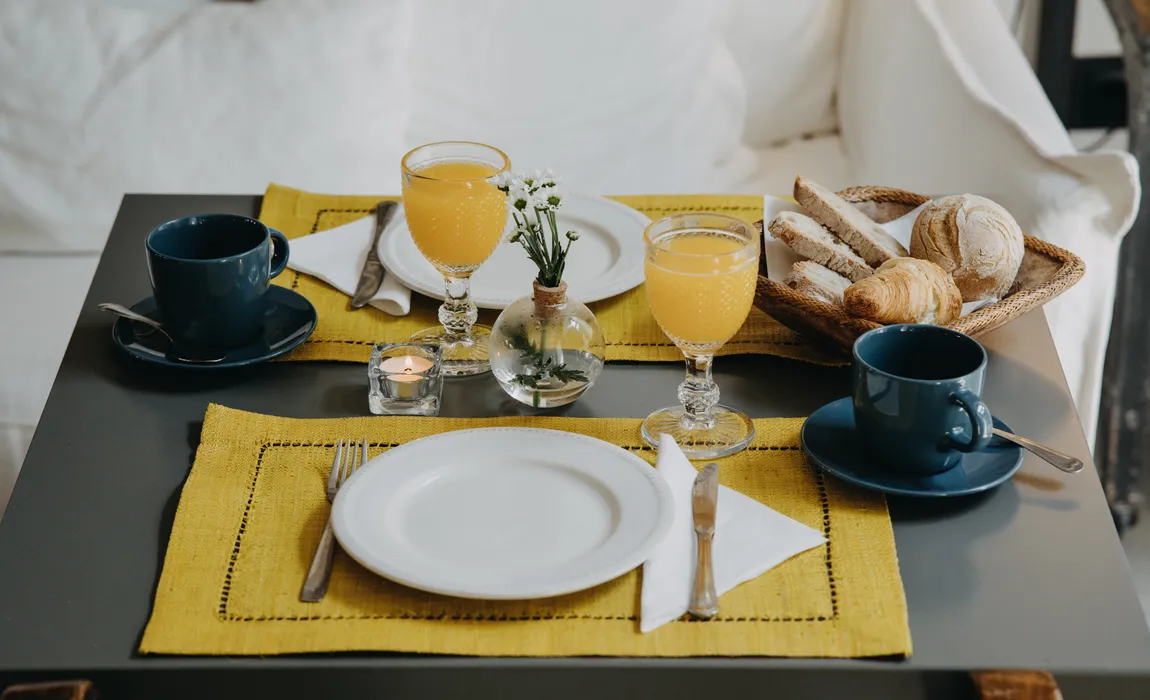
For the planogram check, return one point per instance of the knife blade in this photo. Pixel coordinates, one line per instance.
(372, 275)
(704, 507)
(705, 498)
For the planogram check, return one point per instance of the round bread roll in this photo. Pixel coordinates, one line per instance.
(972, 238)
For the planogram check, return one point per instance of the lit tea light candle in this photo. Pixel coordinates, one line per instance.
(405, 379)
(405, 375)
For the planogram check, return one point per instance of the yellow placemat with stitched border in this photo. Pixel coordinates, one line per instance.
(253, 508)
(628, 327)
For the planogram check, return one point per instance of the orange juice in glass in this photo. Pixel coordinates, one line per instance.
(701, 271)
(456, 216)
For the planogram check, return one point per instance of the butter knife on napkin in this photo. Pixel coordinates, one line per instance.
(372, 275)
(750, 539)
(704, 502)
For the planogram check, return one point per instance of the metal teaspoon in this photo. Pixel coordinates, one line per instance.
(1068, 464)
(127, 313)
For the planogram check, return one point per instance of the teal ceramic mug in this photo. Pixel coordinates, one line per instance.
(209, 276)
(917, 398)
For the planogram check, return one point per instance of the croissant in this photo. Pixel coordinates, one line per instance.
(975, 240)
(905, 290)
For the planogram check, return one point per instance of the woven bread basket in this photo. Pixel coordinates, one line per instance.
(1046, 272)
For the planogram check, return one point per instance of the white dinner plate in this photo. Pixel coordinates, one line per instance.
(605, 261)
(503, 513)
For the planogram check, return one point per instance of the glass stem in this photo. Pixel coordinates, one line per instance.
(698, 393)
(458, 313)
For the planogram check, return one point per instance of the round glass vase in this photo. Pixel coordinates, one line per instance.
(546, 349)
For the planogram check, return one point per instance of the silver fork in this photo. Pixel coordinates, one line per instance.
(346, 462)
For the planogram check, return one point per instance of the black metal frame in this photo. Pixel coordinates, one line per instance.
(1087, 93)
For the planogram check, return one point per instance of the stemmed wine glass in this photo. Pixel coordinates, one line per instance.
(701, 271)
(457, 218)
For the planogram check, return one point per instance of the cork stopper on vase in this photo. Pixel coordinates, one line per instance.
(550, 296)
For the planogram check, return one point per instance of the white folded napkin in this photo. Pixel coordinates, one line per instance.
(336, 256)
(780, 258)
(750, 539)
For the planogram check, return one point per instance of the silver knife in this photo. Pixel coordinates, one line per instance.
(372, 275)
(704, 504)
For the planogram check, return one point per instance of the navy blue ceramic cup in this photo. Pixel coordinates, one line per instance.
(916, 398)
(209, 275)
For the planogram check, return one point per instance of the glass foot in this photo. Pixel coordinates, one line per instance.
(463, 356)
(730, 432)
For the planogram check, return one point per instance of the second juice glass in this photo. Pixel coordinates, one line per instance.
(701, 271)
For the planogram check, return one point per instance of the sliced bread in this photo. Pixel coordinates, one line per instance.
(853, 227)
(809, 239)
(817, 282)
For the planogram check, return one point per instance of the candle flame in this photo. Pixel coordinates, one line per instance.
(408, 365)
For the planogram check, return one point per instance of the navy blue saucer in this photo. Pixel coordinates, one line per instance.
(289, 319)
(832, 444)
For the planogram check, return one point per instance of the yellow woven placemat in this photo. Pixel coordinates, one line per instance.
(628, 327)
(253, 508)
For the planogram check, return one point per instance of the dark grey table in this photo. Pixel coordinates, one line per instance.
(1029, 576)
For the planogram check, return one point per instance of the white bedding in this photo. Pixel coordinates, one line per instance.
(101, 98)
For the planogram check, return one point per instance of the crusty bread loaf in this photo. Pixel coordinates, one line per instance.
(854, 228)
(809, 239)
(817, 282)
(974, 239)
(905, 290)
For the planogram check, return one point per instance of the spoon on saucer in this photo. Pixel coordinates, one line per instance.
(1068, 464)
(125, 312)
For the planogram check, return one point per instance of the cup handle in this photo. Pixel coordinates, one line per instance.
(981, 423)
(280, 251)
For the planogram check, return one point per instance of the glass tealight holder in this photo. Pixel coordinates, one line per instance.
(405, 379)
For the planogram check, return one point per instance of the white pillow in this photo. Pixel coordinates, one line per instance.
(101, 99)
(789, 53)
(616, 97)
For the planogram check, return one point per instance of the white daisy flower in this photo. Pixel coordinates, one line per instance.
(545, 200)
(545, 178)
(518, 195)
(554, 197)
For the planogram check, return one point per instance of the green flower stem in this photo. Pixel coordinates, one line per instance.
(528, 241)
(555, 245)
(550, 256)
(538, 395)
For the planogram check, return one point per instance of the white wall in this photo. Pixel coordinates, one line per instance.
(1094, 32)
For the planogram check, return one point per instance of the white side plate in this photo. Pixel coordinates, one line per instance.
(503, 513)
(605, 261)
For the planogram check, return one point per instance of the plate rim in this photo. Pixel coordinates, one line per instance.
(894, 489)
(634, 559)
(216, 366)
(622, 283)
